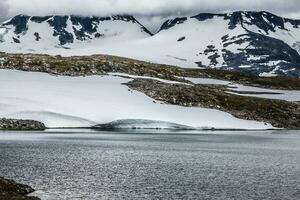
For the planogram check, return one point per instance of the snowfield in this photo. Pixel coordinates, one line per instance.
(61, 101)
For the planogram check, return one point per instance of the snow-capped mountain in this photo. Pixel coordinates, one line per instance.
(256, 42)
(36, 33)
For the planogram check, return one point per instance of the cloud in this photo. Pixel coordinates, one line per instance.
(3, 10)
(156, 8)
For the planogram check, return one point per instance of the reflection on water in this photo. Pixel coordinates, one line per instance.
(154, 165)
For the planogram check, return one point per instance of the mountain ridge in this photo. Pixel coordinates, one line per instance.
(237, 16)
(257, 42)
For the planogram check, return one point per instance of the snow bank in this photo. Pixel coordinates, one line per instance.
(88, 101)
(143, 124)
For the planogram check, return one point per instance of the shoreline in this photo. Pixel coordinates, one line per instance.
(11, 190)
(143, 129)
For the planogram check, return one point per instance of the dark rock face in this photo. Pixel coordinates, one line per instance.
(263, 20)
(19, 22)
(39, 19)
(181, 39)
(172, 22)
(205, 16)
(37, 36)
(266, 50)
(10, 190)
(86, 26)
(22, 125)
(16, 40)
(59, 24)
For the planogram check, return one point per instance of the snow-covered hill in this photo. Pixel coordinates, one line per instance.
(255, 42)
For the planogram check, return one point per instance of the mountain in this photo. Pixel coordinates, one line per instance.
(256, 42)
(40, 33)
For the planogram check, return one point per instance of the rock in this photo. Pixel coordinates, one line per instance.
(23, 125)
(10, 190)
(181, 39)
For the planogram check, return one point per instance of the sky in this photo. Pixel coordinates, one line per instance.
(149, 11)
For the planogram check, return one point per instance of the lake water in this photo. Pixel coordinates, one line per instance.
(154, 165)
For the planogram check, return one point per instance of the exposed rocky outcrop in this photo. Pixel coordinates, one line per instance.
(22, 125)
(10, 190)
(103, 64)
(172, 22)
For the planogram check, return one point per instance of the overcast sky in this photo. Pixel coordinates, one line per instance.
(158, 8)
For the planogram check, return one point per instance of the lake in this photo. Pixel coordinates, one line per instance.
(89, 165)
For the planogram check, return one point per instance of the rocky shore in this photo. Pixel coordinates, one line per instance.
(21, 125)
(10, 190)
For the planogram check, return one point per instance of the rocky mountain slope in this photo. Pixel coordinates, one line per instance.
(257, 42)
